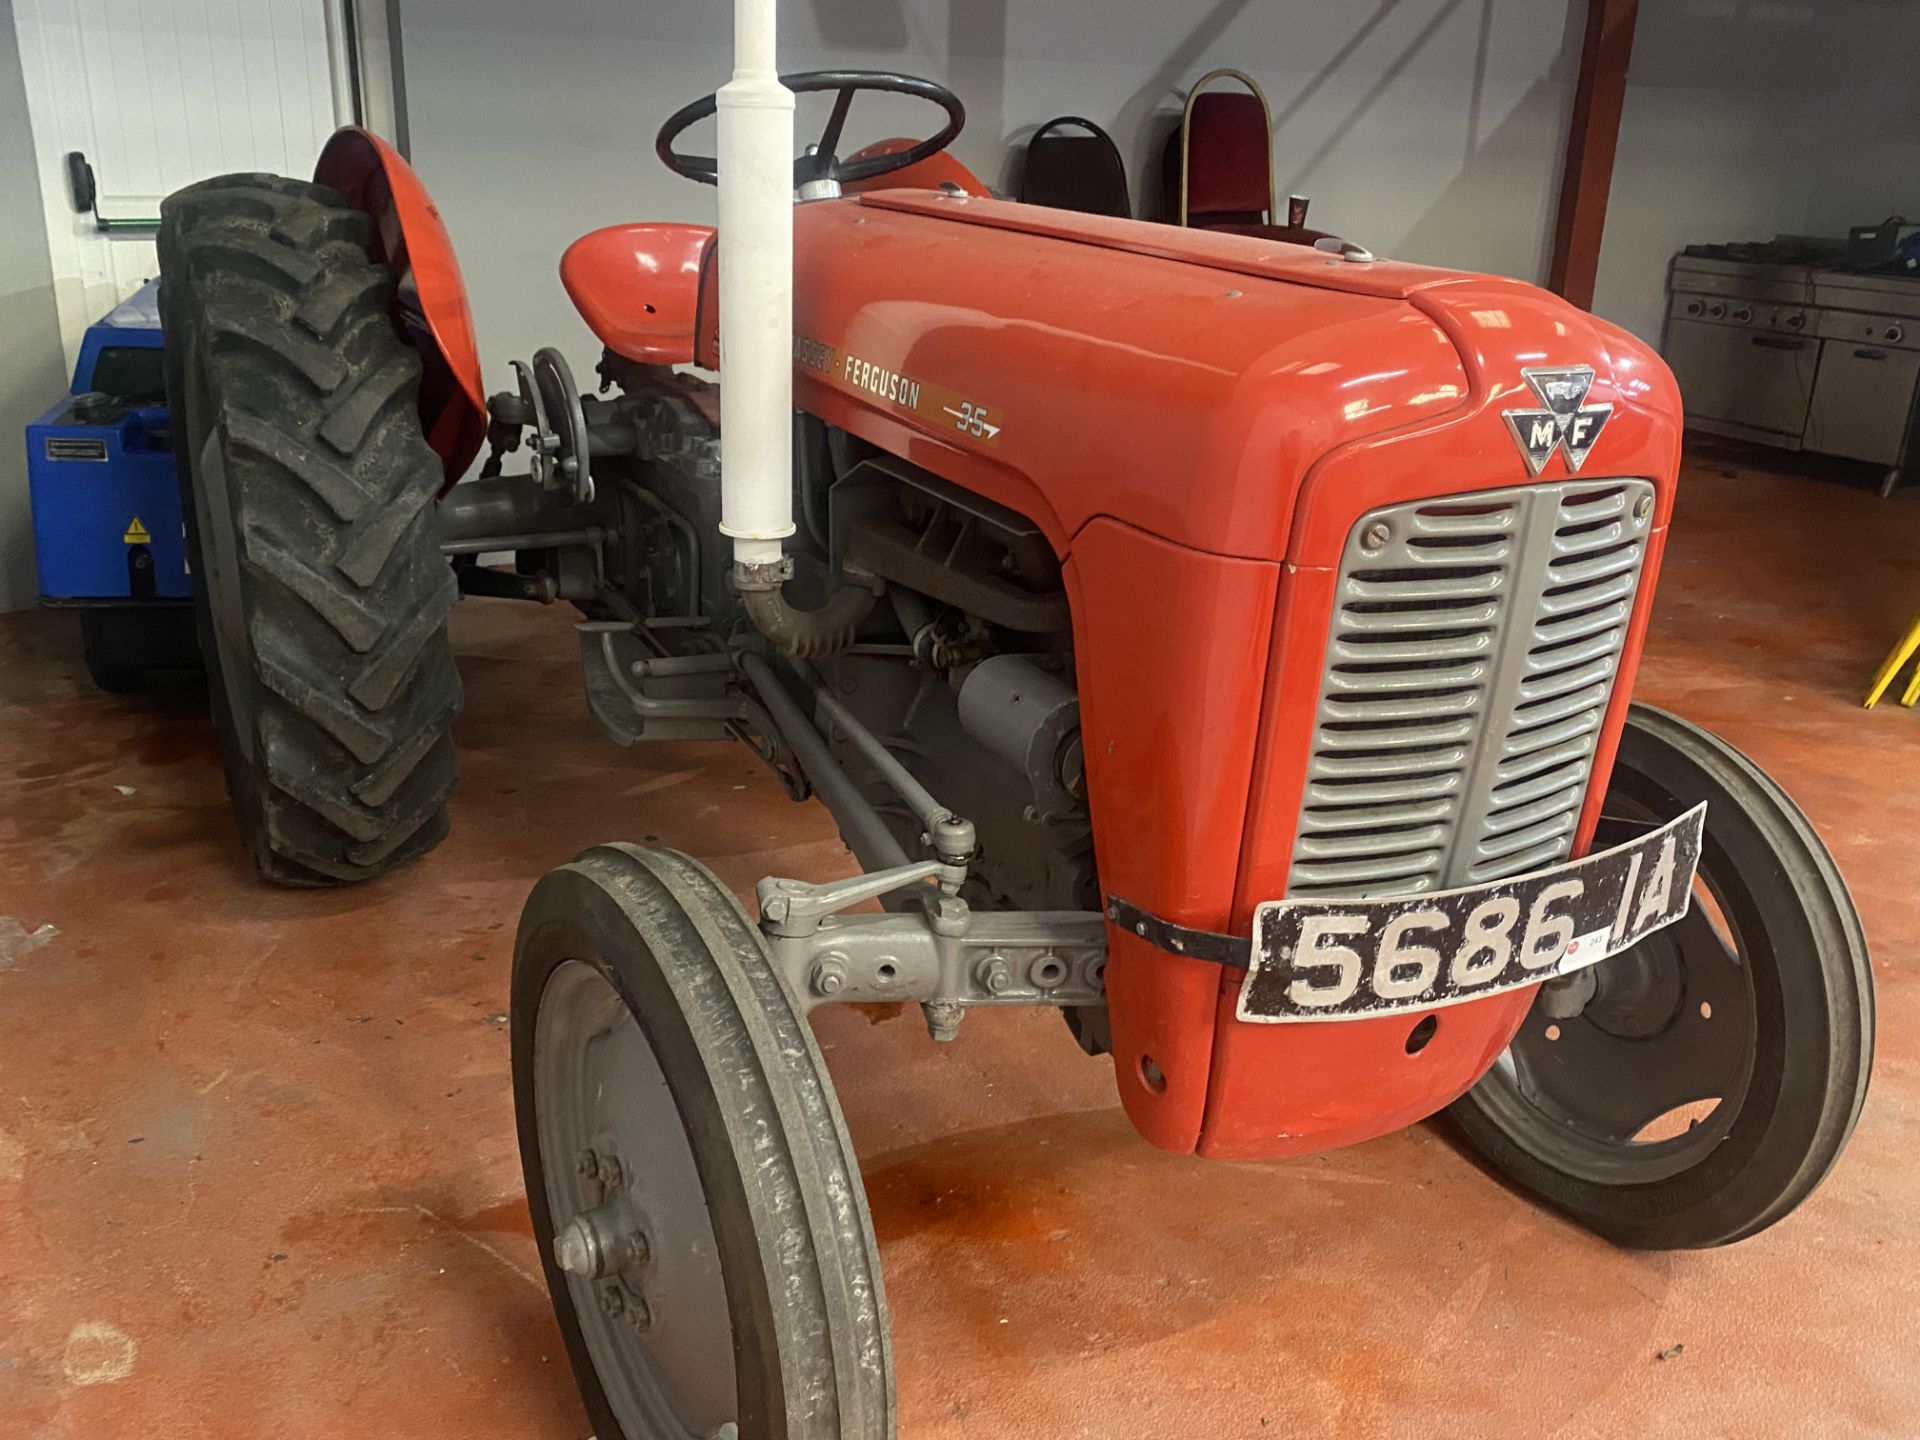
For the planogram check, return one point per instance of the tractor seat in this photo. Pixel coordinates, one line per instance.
(638, 287)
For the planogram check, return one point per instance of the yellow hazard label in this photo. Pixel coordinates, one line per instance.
(136, 533)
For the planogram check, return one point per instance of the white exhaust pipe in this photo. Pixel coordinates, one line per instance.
(756, 301)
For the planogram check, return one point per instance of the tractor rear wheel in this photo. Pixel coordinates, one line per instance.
(1712, 1074)
(308, 489)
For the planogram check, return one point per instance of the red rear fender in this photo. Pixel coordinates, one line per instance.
(411, 240)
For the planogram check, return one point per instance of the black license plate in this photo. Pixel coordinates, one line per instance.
(1355, 959)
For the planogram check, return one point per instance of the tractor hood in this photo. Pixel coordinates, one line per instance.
(1190, 384)
(1215, 249)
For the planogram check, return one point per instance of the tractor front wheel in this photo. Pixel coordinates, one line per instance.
(1706, 1080)
(307, 487)
(695, 1198)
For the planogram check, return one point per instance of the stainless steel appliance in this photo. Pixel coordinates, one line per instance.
(1785, 345)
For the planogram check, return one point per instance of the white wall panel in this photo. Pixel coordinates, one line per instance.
(31, 366)
(159, 94)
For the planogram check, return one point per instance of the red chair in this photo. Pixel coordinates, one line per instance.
(1219, 165)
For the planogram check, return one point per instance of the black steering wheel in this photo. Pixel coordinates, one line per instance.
(822, 162)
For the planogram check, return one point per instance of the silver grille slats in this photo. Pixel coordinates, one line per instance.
(1473, 651)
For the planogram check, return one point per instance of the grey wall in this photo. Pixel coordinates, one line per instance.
(1868, 115)
(1429, 129)
(32, 367)
(1748, 118)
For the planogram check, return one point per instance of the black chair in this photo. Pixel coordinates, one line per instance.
(1075, 172)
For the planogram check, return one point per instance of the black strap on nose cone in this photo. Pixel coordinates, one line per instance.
(1233, 951)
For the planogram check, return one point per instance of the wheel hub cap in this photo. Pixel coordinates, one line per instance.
(606, 1240)
(632, 1232)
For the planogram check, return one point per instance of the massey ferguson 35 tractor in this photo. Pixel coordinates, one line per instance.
(1225, 641)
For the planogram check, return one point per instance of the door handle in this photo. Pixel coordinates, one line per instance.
(80, 188)
(1870, 355)
(84, 191)
(1778, 342)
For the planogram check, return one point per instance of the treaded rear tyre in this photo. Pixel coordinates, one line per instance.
(307, 488)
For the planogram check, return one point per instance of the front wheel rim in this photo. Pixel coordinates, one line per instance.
(632, 1228)
(1673, 1025)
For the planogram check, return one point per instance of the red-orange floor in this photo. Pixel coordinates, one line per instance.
(257, 1169)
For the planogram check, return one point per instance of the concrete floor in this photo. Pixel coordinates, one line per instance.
(257, 1168)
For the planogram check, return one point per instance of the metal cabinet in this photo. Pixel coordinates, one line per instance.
(1770, 347)
(1862, 401)
(1754, 382)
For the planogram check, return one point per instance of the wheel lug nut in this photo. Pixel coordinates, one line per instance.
(587, 1166)
(611, 1175)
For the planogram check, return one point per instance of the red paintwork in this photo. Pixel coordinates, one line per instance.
(410, 238)
(936, 170)
(638, 288)
(1190, 407)
(1170, 734)
(1281, 1089)
(706, 337)
(1215, 249)
(1196, 420)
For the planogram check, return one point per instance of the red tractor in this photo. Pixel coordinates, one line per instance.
(1227, 642)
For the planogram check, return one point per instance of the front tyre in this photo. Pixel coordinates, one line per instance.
(1712, 1076)
(307, 489)
(695, 1199)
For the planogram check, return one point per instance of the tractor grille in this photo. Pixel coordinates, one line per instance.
(1472, 655)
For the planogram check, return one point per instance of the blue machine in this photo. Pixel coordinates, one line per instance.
(106, 503)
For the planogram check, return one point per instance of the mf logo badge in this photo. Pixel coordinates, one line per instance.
(1566, 424)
